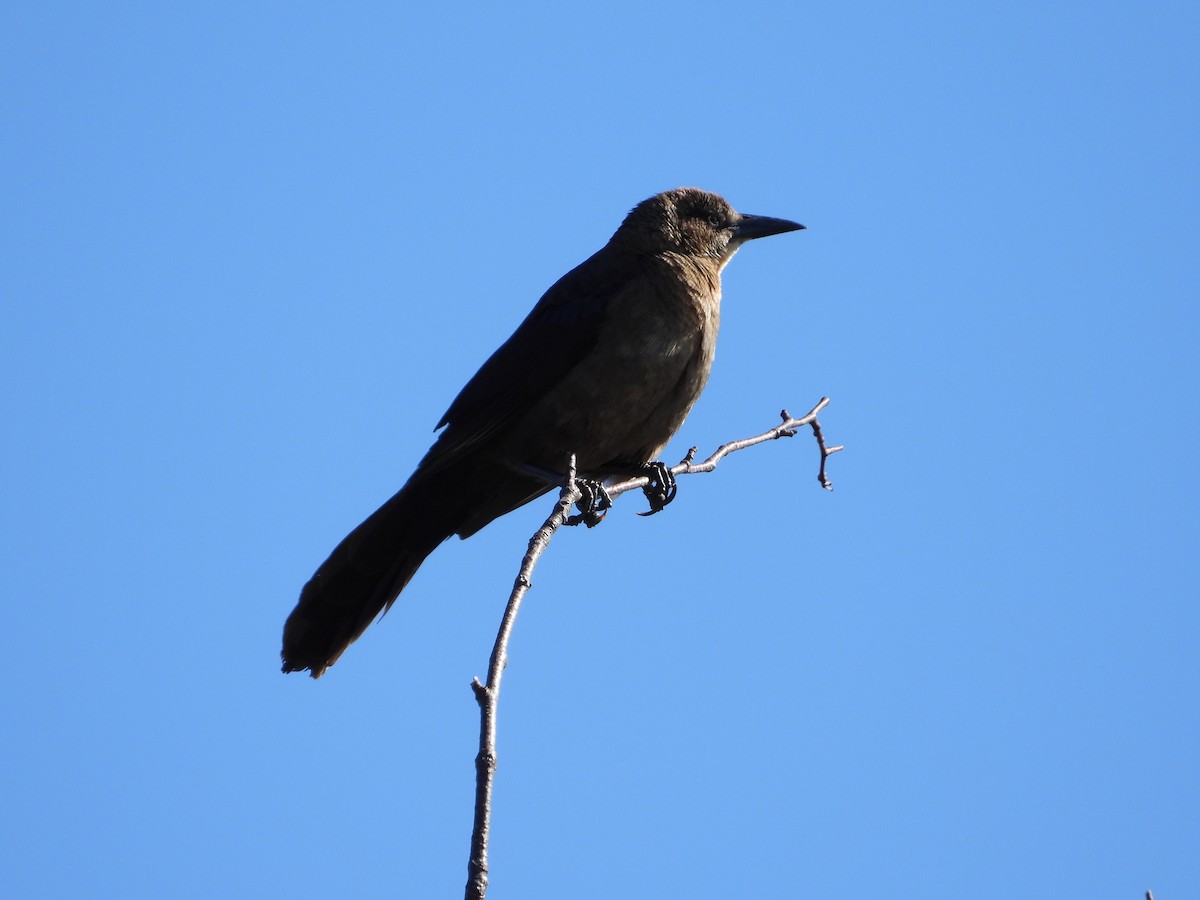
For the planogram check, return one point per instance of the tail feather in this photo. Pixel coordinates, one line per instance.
(361, 579)
(364, 574)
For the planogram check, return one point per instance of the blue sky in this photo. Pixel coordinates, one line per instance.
(252, 251)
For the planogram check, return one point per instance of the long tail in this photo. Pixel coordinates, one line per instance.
(370, 567)
(362, 577)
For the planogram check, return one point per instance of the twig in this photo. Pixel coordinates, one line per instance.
(786, 428)
(488, 696)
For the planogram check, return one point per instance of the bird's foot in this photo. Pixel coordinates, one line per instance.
(661, 489)
(593, 503)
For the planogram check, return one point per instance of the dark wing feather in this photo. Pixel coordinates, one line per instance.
(558, 333)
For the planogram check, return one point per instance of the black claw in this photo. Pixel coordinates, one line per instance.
(661, 489)
(593, 503)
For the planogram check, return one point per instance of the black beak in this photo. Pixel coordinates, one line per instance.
(751, 227)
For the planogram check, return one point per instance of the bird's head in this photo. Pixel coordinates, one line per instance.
(694, 223)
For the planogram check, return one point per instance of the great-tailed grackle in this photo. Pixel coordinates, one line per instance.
(606, 366)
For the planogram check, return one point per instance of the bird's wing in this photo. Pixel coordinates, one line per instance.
(558, 333)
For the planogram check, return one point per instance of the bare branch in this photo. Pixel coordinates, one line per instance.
(488, 696)
(787, 428)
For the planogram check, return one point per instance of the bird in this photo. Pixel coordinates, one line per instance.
(606, 366)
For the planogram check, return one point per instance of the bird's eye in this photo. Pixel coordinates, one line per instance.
(716, 221)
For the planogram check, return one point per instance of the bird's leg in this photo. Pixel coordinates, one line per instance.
(661, 489)
(593, 503)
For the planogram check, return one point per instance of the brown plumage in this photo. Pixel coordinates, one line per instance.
(607, 366)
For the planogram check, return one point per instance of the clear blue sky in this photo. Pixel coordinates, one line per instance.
(252, 251)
